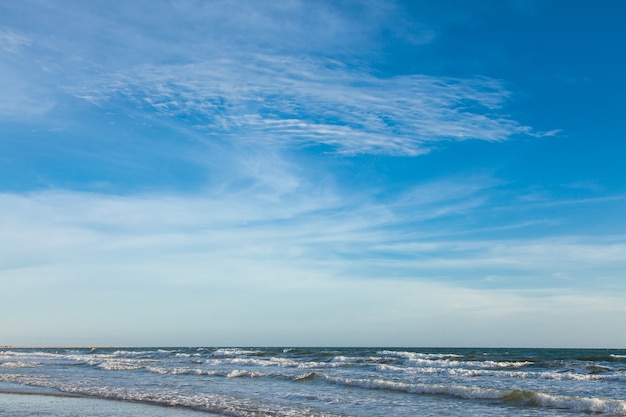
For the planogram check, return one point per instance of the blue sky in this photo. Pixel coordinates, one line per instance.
(420, 173)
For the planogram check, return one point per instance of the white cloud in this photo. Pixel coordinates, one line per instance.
(292, 101)
(307, 231)
(365, 275)
(13, 42)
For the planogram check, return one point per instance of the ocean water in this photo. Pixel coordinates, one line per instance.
(364, 382)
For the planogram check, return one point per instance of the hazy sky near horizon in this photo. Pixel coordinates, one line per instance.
(407, 173)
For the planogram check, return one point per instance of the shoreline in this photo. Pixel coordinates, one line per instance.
(30, 403)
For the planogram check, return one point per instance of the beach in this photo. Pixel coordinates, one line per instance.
(311, 382)
(30, 404)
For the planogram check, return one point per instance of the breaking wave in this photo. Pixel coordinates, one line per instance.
(246, 382)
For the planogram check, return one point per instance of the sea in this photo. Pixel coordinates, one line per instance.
(284, 381)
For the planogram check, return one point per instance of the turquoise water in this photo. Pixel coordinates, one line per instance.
(363, 382)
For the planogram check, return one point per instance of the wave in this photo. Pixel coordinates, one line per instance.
(580, 404)
(234, 373)
(184, 371)
(516, 397)
(309, 376)
(19, 364)
(234, 352)
(446, 360)
(598, 369)
(592, 374)
(277, 362)
(222, 404)
(415, 355)
(238, 373)
(37, 358)
(179, 361)
(120, 366)
(219, 404)
(10, 353)
(278, 374)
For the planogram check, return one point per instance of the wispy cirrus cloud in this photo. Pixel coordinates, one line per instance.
(13, 42)
(184, 259)
(293, 101)
(289, 75)
(303, 227)
(296, 246)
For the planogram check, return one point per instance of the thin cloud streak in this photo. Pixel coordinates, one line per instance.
(298, 230)
(287, 101)
(13, 42)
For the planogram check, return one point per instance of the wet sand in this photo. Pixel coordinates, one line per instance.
(28, 404)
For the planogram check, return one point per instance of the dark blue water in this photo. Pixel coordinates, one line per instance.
(329, 382)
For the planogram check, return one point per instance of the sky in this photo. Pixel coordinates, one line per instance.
(313, 173)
